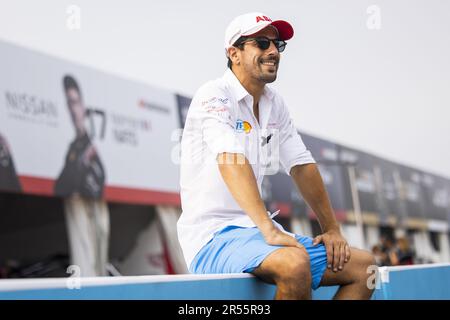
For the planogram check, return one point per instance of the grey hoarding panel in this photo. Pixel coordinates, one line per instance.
(323, 151)
(368, 192)
(332, 172)
(279, 193)
(435, 196)
(411, 191)
(392, 203)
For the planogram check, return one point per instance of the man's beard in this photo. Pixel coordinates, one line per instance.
(268, 78)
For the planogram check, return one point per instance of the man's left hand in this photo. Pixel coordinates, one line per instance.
(338, 251)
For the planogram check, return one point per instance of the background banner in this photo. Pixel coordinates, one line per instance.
(68, 129)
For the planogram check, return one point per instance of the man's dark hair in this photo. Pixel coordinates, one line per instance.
(70, 83)
(238, 44)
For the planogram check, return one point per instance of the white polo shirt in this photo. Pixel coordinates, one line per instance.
(220, 119)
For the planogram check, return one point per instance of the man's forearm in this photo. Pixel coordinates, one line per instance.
(240, 180)
(309, 181)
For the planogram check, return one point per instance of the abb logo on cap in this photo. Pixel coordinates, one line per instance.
(262, 18)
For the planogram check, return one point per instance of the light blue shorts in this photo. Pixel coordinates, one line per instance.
(238, 249)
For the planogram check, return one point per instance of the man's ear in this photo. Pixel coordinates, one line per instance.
(233, 55)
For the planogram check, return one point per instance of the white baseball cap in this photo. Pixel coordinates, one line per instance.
(250, 23)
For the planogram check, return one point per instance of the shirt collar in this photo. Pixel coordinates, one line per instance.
(268, 92)
(238, 90)
(236, 86)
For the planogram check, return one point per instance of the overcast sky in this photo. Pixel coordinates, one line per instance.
(384, 89)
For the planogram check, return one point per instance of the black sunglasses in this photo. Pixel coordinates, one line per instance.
(263, 43)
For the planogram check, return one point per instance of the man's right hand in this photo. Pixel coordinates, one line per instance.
(276, 237)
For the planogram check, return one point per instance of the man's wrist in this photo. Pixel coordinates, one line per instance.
(267, 227)
(332, 228)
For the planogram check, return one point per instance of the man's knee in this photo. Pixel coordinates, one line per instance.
(293, 265)
(365, 262)
(369, 259)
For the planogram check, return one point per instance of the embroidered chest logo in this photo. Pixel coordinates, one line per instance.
(243, 126)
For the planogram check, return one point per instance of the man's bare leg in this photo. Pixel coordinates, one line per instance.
(289, 269)
(353, 278)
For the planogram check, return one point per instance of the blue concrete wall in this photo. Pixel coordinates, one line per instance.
(428, 282)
